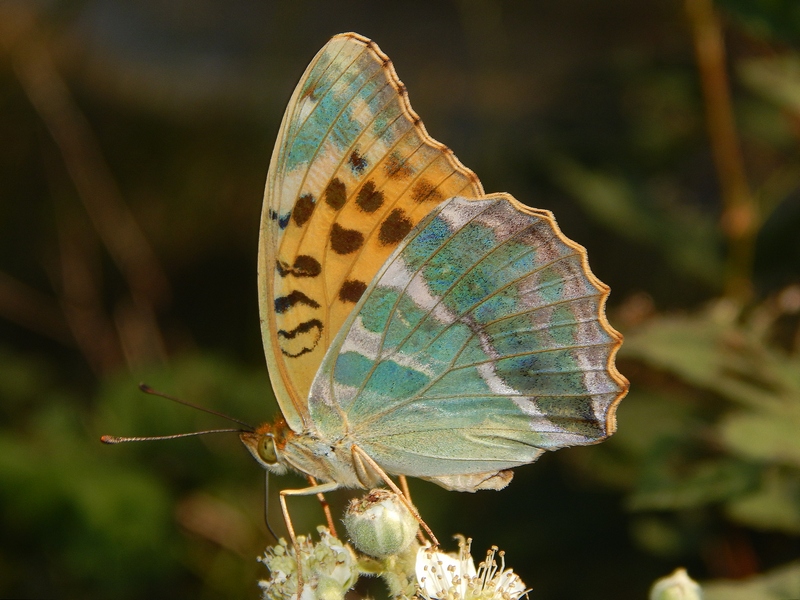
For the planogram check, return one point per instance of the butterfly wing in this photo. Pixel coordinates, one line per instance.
(481, 343)
(353, 171)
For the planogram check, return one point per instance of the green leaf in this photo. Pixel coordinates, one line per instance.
(711, 350)
(705, 483)
(688, 240)
(650, 424)
(772, 437)
(774, 506)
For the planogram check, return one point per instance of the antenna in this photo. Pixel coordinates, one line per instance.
(113, 439)
(148, 390)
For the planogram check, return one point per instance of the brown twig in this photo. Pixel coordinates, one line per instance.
(739, 216)
(78, 283)
(138, 330)
(92, 177)
(29, 308)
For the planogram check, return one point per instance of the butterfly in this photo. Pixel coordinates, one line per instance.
(414, 325)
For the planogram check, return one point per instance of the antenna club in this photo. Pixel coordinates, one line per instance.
(145, 388)
(109, 439)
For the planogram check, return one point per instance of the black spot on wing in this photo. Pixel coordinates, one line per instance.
(345, 241)
(302, 328)
(369, 199)
(304, 266)
(336, 194)
(395, 227)
(303, 209)
(351, 290)
(283, 221)
(284, 303)
(357, 162)
(424, 191)
(305, 327)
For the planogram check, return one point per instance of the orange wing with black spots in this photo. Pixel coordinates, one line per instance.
(353, 171)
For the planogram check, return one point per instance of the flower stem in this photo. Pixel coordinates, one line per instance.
(739, 216)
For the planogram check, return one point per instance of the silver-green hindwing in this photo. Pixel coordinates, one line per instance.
(481, 343)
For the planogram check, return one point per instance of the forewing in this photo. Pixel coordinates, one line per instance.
(353, 171)
(481, 343)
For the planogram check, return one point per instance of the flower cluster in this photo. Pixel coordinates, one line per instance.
(454, 577)
(383, 530)
(329, 569)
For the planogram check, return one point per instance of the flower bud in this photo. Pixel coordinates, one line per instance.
(678, 586)
(379, 524)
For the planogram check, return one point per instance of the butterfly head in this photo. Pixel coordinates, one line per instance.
(267, 443)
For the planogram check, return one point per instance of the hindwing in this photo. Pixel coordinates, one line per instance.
(481, 343)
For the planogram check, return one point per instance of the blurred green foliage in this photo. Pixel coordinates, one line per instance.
(783, 582)
(713, 432)
(136, 139)
(775, 20)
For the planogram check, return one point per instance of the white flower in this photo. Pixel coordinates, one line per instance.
(329, 569)
(449, 577)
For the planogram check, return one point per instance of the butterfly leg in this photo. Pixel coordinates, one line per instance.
(314, 489)
(325, 508)
(359, 455)
(407, 494)
(404, 487)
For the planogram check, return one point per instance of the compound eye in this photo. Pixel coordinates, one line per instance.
(266, 450)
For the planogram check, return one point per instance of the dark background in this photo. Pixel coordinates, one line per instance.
(134, 144)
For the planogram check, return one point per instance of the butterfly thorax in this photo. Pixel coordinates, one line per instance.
(278, 448)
